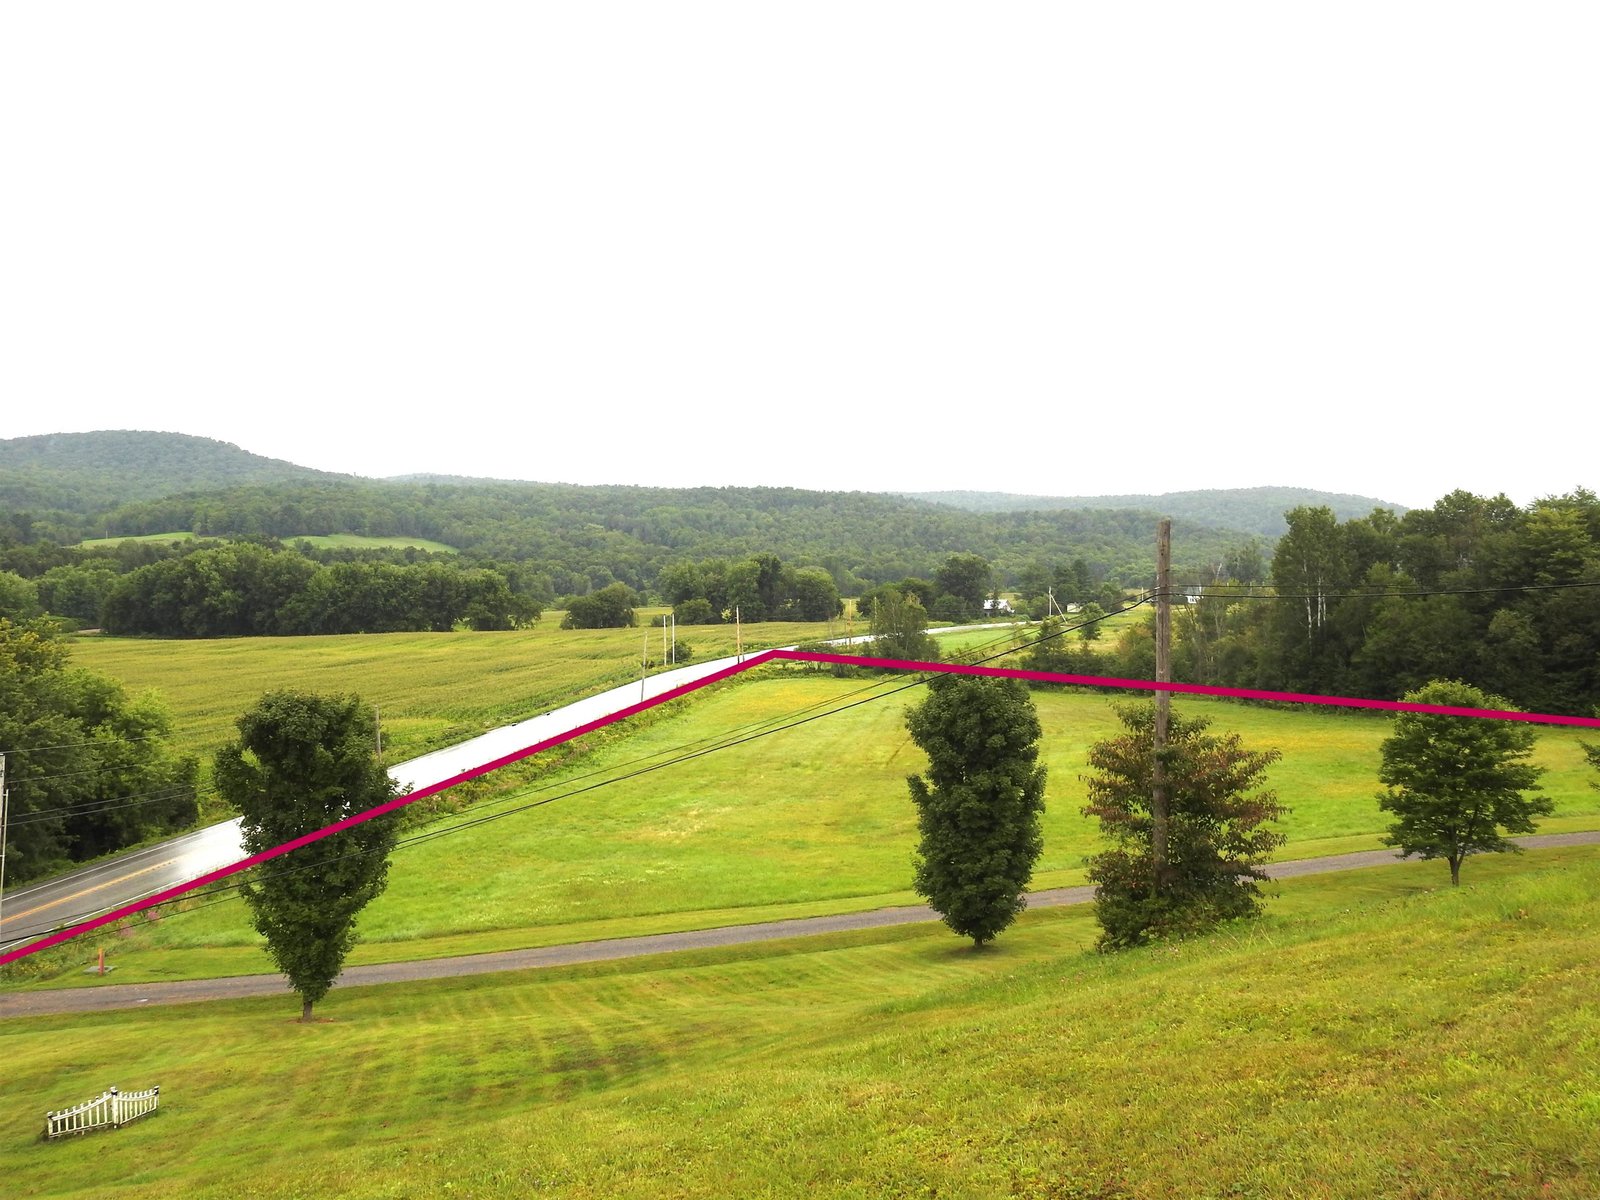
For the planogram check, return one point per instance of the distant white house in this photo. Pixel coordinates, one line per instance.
(997, 606)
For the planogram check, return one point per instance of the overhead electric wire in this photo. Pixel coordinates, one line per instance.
(96, 808)
(79, 745)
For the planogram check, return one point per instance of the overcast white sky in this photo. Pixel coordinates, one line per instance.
(1049, 248)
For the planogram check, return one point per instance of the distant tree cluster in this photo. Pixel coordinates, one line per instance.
(89, 769)
(611, 607)
(760, 588)
(242, 589)
(1503, 598)
(956, 592)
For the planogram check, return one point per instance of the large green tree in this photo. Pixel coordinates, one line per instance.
(89, 769)
(966, 578)
(979, 808)
(1219, 831)
(303, 762)
(1457, 785)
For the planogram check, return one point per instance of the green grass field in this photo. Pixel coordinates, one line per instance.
(330, 540)
(1374, 1035)
(808, 820)
(433, 689)
(178, 535)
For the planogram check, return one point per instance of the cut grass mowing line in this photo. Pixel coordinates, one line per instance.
(1362, 1043)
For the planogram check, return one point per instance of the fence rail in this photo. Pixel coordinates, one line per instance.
(108, 1110)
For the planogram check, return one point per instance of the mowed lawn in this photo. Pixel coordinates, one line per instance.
(810, 817)
(432, 689)
(1375, 1035)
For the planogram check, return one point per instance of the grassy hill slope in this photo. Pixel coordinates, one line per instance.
(1373, 1036)
(810, 819)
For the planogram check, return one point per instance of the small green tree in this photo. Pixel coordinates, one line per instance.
(1454, 783)
(979, 808)
(1088, 620)
(900, 629)
(1218, 831)
(301, 763)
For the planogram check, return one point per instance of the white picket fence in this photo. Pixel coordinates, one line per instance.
(109, 1109)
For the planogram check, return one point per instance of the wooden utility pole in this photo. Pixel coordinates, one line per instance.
(1160, 797)
(4, 797)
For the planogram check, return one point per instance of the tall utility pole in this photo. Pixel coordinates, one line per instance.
(1160, 799)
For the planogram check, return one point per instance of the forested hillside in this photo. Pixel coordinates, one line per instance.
(1258, 510)
(67, 487)
(588, 537)
(53, 475)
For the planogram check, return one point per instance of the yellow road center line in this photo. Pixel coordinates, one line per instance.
(10, 916)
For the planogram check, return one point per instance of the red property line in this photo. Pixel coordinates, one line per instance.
(757, 660)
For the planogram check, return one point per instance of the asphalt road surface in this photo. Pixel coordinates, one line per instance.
(114, 996)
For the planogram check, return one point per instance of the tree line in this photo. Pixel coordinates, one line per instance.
(89, 769)
(1473, 588)
(244, 590)
(586, 538)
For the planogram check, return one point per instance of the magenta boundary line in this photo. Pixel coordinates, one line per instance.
(1193, 689)
(756, 660)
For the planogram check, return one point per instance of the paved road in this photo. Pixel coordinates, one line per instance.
(114, 996)
(39, 908)
(36, 910)
(42, 907)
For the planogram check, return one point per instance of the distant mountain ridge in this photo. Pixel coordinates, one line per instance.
(88, 472)
(72, 485)
(1256, 510)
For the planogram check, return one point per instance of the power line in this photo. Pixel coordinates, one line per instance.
(98, 807)
(149, 737)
